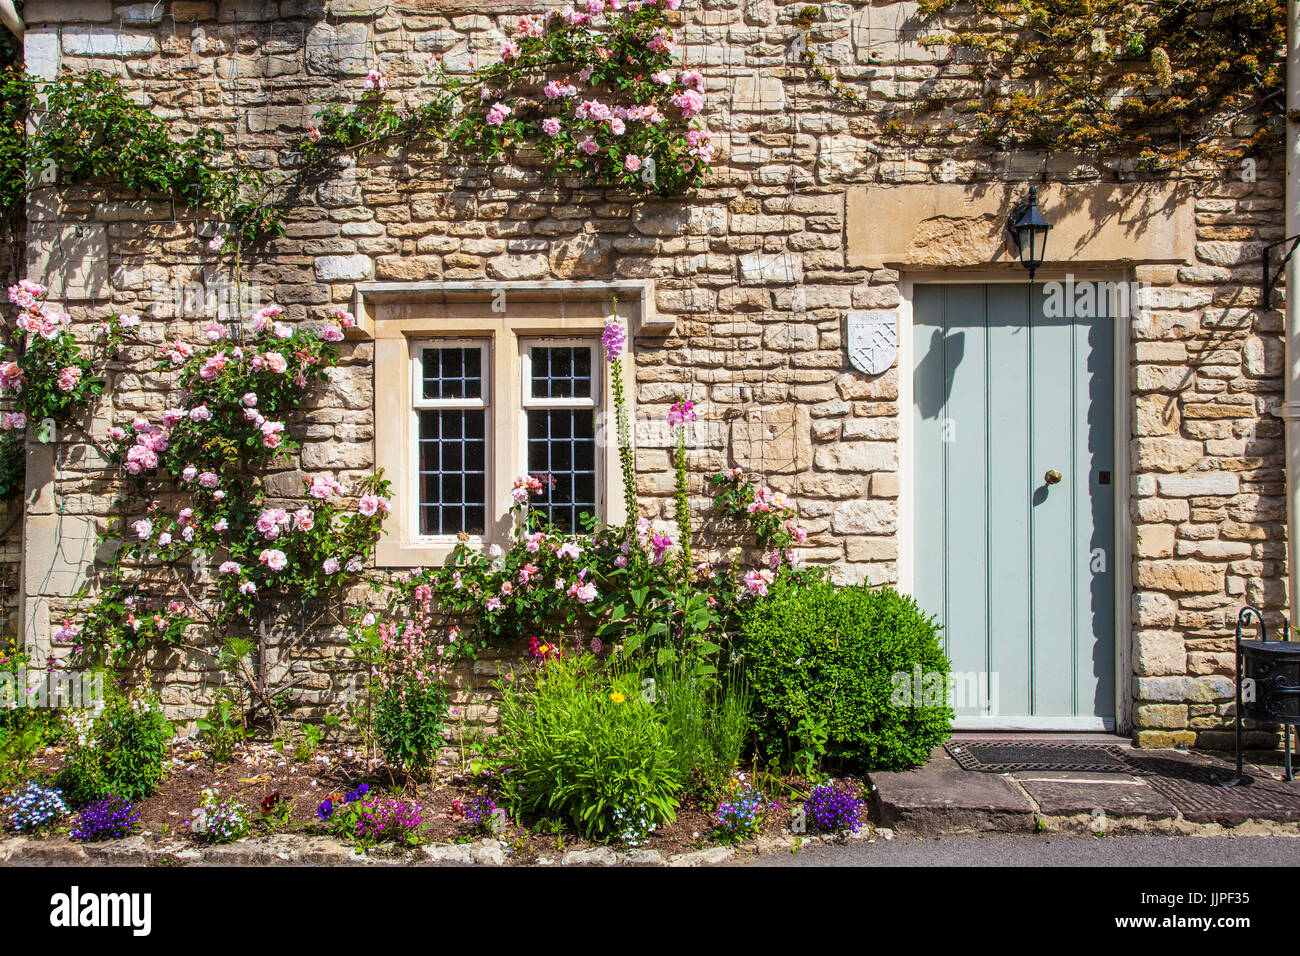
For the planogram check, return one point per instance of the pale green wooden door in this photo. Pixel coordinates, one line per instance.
(1019, 569)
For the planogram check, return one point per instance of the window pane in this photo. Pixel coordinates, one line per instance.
(562, 452)
(452, 477)
(561, 372)
(453, 372)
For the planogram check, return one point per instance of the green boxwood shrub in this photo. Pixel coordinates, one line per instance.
(827, 656)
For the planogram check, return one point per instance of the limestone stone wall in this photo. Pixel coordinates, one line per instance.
(756, 270)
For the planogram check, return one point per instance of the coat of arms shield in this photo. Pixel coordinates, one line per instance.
(873, 340)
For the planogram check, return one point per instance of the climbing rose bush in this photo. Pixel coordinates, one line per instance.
(45, 372)
(596, 89)
(227, 420)
(614, 102)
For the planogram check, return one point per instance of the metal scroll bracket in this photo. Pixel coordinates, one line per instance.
(1269, 276)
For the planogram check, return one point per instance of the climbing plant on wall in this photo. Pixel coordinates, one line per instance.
(1162, 82)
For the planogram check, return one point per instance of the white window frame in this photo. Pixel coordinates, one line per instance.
(594, 402)
(418, 403)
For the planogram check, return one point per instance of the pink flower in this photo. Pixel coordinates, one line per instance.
(270, 521)
(329, 333)
(248, 587)
(143, 529)
(681, 413)
(492, 604)
(368, 505)
(569, 551)
(588, 146)
(208, 480)
(693, 79)
(229, 567)
(509, 50)
(275, 362)
(757, 582)
(375, 81)
(200, 413)
(613, 338)
(690, 102)
(116, 433)
(12, 421)
(551, 126)
(660, 542)
(555, 90)
(189, 473)
(271, 434)
(593, 110)
(323, 486)
(220, 525)
(171, 416)
(353, 566)
(632, 162)
(69, 376)
(497, 114)
(304, 519)
(330, 565)
(273, 559)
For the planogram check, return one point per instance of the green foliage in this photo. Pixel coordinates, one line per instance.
(91, 130)
(1162, 82)
(409, 720)
(16, 89)
(819, 653)
(23, 732)
(708, 723)
(222, 729)
(581, 743)
(120, 753)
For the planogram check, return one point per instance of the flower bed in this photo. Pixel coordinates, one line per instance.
(452, 807)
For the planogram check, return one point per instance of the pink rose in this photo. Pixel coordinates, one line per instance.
(69, 377)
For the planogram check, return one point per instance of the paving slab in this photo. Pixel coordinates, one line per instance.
(941, 797)
(1066, 793)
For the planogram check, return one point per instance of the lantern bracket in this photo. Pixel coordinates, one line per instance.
(1270, 276)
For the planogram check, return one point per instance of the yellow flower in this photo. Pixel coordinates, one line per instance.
(617, 698)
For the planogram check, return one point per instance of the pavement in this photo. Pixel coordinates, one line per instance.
(1161, 791)
(1044, 850)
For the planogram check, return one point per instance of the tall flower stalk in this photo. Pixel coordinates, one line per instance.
(679, 416)
(613, 339)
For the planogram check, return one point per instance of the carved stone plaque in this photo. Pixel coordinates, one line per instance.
(873, 340)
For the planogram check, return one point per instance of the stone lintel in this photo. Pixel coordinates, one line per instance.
(955, 225)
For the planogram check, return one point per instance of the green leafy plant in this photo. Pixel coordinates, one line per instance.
(223, 728)
(1163, 82)
(708, 723)
(815, 652)
(581, 742)
(119, 753)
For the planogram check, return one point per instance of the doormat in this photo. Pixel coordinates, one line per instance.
(1193, 787)
(995, 756)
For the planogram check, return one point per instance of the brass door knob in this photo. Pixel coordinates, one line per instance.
(1052, 477)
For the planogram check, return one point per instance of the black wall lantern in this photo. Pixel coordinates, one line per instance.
(1028, 231)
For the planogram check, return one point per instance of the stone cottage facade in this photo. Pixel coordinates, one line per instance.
(843, 309)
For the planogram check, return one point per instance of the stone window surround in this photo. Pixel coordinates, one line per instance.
(395, 314)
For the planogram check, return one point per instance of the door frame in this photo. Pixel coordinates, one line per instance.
(1123, 533)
